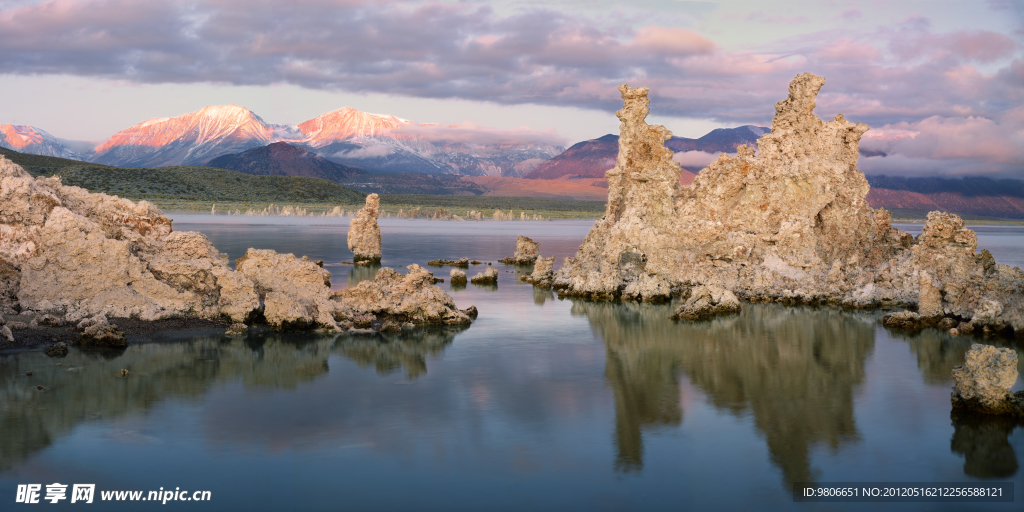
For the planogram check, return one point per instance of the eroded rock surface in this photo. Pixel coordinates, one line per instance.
(787, 223)
(543, 272)
(526, 252)
(364, 233)
(458, 276)
(488, 276)
(410, 297)
(67, 254)
(707, 302)
(983, 383)
(294, 292)
(77, 254)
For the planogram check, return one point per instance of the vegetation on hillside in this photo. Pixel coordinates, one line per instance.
(187, 183)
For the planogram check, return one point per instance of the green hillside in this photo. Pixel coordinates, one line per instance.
(186, 183)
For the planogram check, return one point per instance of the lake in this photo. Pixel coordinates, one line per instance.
(541, 404)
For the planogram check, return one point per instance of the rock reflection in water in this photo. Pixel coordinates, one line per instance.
(360, 273)
(87, 385)
(389, 353)
(540, 296)
(794, 369)
(938, 352)
(983, 441)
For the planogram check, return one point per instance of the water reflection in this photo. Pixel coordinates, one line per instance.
(390, 353)
(37, 409)
(983, 441)
(793, 371)
(360, 273)
(938, 351)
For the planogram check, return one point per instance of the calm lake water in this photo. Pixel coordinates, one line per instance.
(542, 404)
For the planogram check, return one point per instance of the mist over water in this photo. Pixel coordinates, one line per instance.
(541, 403)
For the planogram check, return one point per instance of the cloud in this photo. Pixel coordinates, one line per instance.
(948, 145)
(906, 72)
(692, 159)
(376, 151)
(469, 133)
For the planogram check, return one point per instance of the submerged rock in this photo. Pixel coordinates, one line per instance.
(707, 302)
(788, 223)
(59, 349)
(410, 297)
(526, 252)
(364, 233)
(488, 276)
(461, 262)
(238, 329)
(98, 332)
(983, 383)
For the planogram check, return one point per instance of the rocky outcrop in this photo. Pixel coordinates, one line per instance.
(543, 272)
(488, 276)
(98, 332)
(364, 233)
(461, 263)
(787, 223)
(526, 252)
(707, 302)
(293, 292)
(983, 383)
(404, 298)
(458, 276)
(77, 255)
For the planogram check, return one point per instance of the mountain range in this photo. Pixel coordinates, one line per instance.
(373, 142)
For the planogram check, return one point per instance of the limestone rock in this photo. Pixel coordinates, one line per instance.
(50, 320)
(983, 383)
(364, 233)
(787, 223)
(102, 334)
(409, 297)
(526, 252)
(929, 302)
(294, 292)
(706, 302)
(59, 349)
(902, 320)
(458, 276)
(488, 276)
(238, 329)
(6, 336)
(461, 262)
(543, 272)
(10, 279)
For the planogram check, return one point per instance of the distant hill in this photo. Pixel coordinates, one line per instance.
(186, 182)
(591, 158)
(283, 159)
(1002, 198)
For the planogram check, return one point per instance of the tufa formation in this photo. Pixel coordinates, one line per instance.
(364, 233)
(787, 223)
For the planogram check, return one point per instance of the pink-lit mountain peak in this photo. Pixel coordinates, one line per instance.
(211, 123)
(19, 136)
(348, 123)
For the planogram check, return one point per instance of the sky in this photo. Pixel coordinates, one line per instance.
(941, 83)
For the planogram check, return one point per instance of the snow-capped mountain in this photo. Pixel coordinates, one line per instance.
(31, 140)
(348, 124)
(373, 142)
(191, 139)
